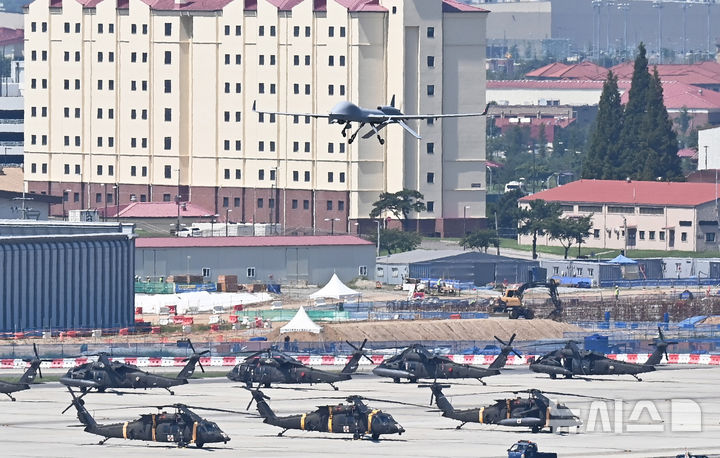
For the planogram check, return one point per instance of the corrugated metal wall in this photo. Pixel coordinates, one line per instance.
(75, 282)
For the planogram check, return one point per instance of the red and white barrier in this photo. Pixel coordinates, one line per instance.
(330, 360)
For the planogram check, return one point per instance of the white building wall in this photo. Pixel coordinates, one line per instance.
(709, 149)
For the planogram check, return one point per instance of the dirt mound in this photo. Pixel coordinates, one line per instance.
(479, 329)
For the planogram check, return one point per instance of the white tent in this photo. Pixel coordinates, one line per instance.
(301, 322)
(335, 289)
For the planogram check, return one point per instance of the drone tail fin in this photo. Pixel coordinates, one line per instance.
(29, 375)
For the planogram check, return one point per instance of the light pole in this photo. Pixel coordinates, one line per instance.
(227, 220)
(177, 225)
(105, 199)
(465, 208)
(66, 195)
(377, 250)
(188, 265)
(116, 187)
(332, 224)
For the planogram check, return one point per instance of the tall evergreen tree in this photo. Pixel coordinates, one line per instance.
(632, 141)
(662, 160)
(602, 155)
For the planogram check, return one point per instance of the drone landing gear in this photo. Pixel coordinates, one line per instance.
(102, 442)
(380, 139)
(345, 129)
(354, 134)
(334, 387)
(481, 381)
(10, 396)
(636, 378)
(460, 425)
(170, 391)
(280, 434)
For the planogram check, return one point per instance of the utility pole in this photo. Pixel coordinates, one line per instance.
(497, 235)
(377, 248)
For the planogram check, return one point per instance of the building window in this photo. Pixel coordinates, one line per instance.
(168, 29)
(67, 166)
(261, 174)
(329, 205)
(44, 167)
(133, 170)
(294, 204)
(341, 205)
(430, 61)
(168, 57)
(98, 197)
(167, 143)
(226, 146)
(251, 272)
(236, 202)
(272, 59)
(238, 30)
(331, 89)
(430, 206)
(168, 172)
(710, 237)
(168, 114)
(238, 59)
(238, 145)
(227, 30)
(307, 59)
(596, 233)
(260, 203)
(431, 89)
(77, 169)
(306, 204)
(683, 236)
(238, 174)
(168, 86)
(307, 176)
(227, 174)
(642, 235)
(430, 148)
(261, 31)
(272, 30)
(330, 177)
(226, 202)
(271, 203)
(272, 174)
(342, 61)
(331, 61)
(296, 175)
(651, 234)
(133, 28)
(261, 146)
(342, 177)
(342, 32)
(431, 32)
(143, 171)
(430, 177)
(331, 31)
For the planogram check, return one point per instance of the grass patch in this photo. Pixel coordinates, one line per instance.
(606, 253)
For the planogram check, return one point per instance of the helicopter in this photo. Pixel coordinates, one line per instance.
(103, 374)
(26, 379)
(417, 362)
(355, 418)
(535, 412)
(183, 427)
(571, 361)
(273, 366)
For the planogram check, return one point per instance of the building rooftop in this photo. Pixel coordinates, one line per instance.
(267, 241)
(630, 192)
(558, 70)
(158, 210)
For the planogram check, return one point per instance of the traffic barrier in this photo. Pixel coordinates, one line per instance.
(332, 360)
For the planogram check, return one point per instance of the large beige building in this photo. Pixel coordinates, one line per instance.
(150, 99)
(638, 215)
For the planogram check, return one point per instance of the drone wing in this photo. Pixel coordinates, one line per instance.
(285, 113)
(405, 117)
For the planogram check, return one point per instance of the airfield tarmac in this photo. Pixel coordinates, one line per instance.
(655, 418)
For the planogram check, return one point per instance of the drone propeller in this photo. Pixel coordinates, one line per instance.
(76, 399)
(195, 354)
(253, 391)
(361, 350)
(509, 344)
(661, 341)
(434, 384)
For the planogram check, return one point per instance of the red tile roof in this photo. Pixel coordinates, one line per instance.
(157, 210)
(633, 192)
(11, 36)
(545, 84)
(688, 152)
(584, 71)
(677, 95)
(702, 73)
(269, 241)
(362, 5)
(453, 6)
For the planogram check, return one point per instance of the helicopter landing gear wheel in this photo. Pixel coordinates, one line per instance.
(396, 380)
(199, 444)
(375, 436)
(535, 429)
(553, 376)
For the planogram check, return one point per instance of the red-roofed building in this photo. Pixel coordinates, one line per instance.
(557, 70)
(282, 260)
(645, 215)
(158, 217)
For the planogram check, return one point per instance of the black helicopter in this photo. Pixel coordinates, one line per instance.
(103, 374)
(272, 366)
(571, 361)
(354, 418)
(417, 362)
(26, 379)
(183, 427)
(535, 412)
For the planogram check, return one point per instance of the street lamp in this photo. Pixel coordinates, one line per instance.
(105, 199)
(188, 265)
(177, 225)
(116, 187)
(465, 208)
(332, 224)
(66, 196)
(227, 220)
(377, 249)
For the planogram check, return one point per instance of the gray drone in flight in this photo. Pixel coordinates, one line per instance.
(347, 112)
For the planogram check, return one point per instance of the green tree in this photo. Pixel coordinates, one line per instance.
(632, 141)
(602, 154)
(537, 220)
(568, 231)
(481, 239)
(399, 203)
(396, 241)
(661, 159)
(506, 209)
